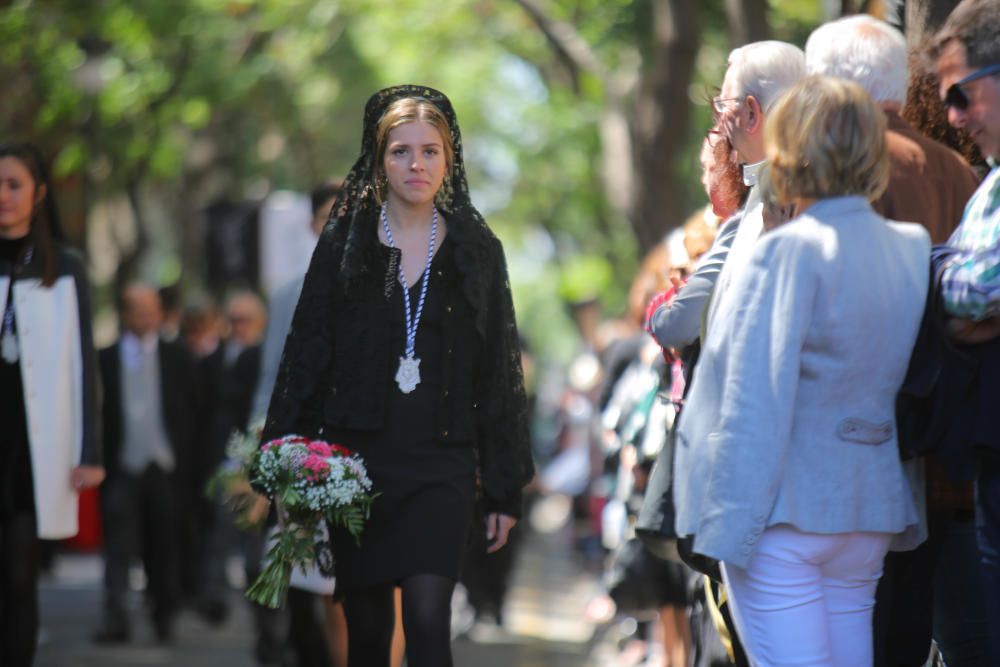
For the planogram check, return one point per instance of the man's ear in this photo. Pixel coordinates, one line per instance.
(754, 115)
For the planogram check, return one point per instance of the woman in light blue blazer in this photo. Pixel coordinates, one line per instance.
(787, 464)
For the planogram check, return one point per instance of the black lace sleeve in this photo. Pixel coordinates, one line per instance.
(504, 447)
(295, 405)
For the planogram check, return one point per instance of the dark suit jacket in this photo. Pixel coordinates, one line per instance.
(947, 405)
(228, 395)
(182, 405)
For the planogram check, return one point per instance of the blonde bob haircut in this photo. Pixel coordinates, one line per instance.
(401, 112)
(826, 138)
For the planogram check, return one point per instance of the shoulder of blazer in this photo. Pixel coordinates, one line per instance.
(913, 232)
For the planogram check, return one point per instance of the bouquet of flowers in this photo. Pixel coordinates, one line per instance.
(311, 480)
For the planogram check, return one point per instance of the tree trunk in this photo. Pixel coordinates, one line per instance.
(131, 260)
(662, 118)
(747, 21)
(925, 16)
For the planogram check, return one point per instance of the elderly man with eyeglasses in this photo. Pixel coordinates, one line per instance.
(967, 51)
(757, 75)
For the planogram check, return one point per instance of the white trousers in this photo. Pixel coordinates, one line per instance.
(805, 599)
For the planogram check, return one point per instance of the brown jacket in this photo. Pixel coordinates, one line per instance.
(928, 182)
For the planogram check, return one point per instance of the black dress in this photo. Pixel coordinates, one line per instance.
(17, 494)
(427, 489)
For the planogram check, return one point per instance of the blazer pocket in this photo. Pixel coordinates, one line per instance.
(864, 432)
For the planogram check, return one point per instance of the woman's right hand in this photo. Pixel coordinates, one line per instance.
(86, 477)
(498, 530)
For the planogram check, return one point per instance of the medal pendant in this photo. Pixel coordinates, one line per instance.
(408, 375)
(8, 347)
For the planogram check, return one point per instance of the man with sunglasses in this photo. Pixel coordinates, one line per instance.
(968, 64)
(967, 50)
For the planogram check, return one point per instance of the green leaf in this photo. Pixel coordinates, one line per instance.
(70, 160)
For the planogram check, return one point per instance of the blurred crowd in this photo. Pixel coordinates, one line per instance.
(649, 502)
(770, 384)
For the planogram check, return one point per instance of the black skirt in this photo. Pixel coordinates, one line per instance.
(420, 521)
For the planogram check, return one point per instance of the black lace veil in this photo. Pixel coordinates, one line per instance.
(348, 246)
(357, 207)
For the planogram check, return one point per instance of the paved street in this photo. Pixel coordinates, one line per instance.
(544, 617)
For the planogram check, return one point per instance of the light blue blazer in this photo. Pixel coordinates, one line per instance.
(790, 416)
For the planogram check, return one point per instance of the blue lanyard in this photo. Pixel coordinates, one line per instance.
(413, 322)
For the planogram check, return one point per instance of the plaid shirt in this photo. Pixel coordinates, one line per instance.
(970, 281)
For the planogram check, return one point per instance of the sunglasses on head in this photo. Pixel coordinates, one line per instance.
(956, 98)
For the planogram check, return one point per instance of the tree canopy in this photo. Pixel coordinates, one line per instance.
(581, 118)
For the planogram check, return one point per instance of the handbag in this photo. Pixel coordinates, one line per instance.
(635, 578)
(655, 526)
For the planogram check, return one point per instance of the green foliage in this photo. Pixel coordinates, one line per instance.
(228, 96)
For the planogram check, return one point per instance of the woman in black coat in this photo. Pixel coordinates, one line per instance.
(48, 381)
(404, 348)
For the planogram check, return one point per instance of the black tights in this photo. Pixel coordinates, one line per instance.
(19, 555)
(426, 622)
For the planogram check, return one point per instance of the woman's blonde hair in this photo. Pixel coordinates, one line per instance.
(401, 112)
(825, 138)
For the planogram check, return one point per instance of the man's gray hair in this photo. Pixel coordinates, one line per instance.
(862, 49)
(766, 70)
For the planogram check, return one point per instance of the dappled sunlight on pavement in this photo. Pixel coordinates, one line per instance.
(545, 622)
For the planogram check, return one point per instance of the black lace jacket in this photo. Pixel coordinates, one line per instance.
(336, 365)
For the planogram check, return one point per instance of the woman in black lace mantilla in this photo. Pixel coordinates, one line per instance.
(404, 348)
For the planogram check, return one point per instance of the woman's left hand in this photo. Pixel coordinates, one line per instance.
(972, 332)
(86, 477)
(497, 530)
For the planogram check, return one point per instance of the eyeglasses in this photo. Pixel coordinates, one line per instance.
(719, 103)
(956, 98)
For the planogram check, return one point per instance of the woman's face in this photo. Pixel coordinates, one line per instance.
(18, 198)
(414, 163)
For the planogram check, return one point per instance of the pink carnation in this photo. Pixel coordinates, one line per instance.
(320, 448)
(316, 464)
